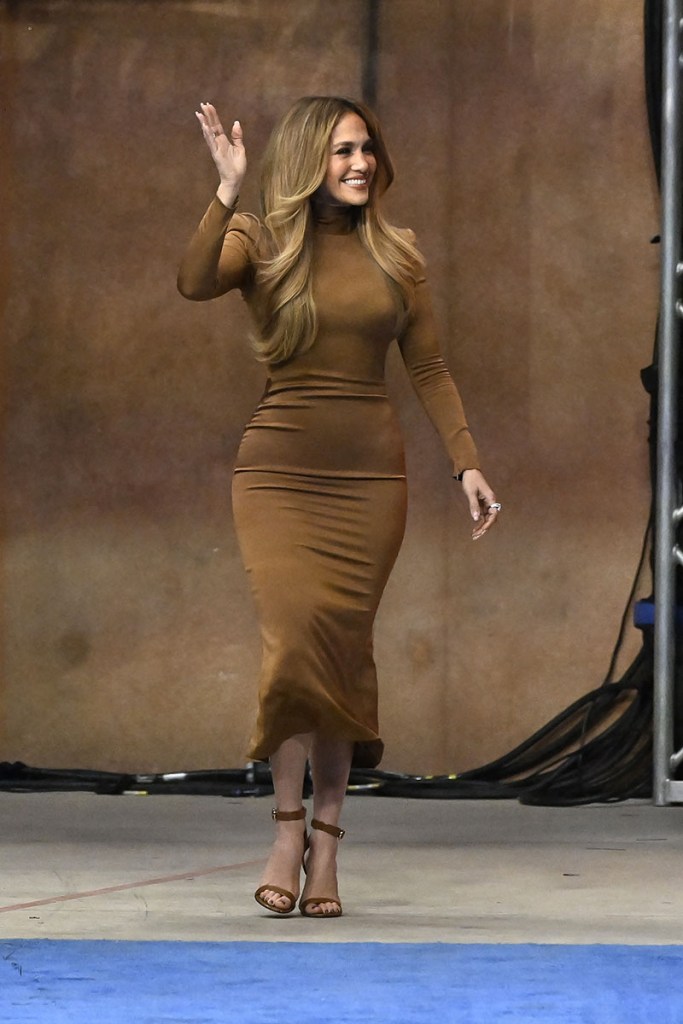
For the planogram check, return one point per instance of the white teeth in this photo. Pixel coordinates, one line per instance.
(355, 181)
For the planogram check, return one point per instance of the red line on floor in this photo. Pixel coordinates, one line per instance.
(186, 875)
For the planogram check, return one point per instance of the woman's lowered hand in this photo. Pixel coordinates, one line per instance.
(484, 507)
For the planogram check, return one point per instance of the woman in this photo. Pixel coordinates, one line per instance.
(319, 487)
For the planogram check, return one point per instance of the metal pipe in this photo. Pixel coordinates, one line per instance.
(665, 589)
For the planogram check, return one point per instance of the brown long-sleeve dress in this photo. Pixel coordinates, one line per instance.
(319, 493)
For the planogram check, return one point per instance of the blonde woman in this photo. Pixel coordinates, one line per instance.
(319, 491)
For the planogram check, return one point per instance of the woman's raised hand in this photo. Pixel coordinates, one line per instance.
(227, 151)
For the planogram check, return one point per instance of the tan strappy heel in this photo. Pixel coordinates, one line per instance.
(283, 816)
(338, 833)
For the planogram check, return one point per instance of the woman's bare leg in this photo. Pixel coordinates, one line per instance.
(288, 765)
(330, 767)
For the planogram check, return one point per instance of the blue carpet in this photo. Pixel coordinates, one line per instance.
(102, 982)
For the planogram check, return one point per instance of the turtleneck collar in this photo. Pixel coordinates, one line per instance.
(335, 220)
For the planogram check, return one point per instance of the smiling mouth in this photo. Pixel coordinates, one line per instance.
(355, 182)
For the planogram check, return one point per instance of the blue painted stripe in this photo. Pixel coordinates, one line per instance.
(104, 982)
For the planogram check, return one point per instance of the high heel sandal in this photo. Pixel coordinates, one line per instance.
(283, 816)
(338, 833)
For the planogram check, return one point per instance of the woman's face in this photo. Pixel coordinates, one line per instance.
(351, 164)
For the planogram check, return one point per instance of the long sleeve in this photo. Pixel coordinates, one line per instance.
(433, 383)
(220, 255)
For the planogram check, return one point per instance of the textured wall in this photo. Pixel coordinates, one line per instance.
(518, 130)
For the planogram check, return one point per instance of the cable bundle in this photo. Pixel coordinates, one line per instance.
(559, 765)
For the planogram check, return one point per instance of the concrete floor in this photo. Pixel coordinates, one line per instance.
(75, 865)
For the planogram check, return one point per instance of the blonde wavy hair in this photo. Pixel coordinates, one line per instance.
(294, 168)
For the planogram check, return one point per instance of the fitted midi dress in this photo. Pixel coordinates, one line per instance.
(319, 490)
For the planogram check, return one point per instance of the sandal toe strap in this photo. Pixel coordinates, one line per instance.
(276, 889)
(312, 901)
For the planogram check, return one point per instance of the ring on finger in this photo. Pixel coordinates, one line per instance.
(495, 506)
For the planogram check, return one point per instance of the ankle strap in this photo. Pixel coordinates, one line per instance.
(288, 815)
(331, 830)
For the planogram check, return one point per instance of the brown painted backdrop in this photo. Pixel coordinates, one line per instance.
(518, 131)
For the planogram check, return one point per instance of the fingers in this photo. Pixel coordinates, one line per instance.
(483, 506)
(237, 134)
(475, 507)
(209, 117)
(489, 519)
(210, 122)
(213, 129)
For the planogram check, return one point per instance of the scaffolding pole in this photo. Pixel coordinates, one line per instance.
(668, 555)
